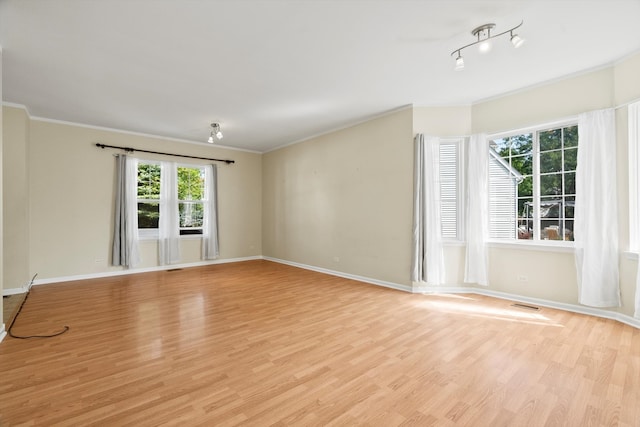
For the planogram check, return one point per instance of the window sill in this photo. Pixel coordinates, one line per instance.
(539, 245)
(151, 238)
(631, 255)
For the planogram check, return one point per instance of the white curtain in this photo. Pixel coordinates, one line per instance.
(125, 238)
(596, 218)
(476, 268)
(169, 223)
(210, 249)
(428, 254)
(634, 163)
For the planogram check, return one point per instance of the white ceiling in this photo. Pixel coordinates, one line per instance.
(273, 72)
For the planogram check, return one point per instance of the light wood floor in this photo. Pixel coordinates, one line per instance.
(258, 343)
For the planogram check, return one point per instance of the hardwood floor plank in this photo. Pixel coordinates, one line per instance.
(258, 343)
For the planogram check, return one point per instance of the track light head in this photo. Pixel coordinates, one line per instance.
(516, 40)
(215, 132)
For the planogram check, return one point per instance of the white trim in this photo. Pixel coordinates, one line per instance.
(632, 255)
(534, 245)
(563, 122)
(3, 333)
(377, 282)
(591, 311)
(435, 290)
(125, 132)
(140, 270)
(14, 291)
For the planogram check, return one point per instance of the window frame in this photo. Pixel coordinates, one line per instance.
(537, 241)
(154, 233)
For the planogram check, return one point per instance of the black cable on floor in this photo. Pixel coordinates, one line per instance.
(65, 329)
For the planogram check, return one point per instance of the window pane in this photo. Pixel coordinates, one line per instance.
(190, 183)
(525, 218)
(551, 140)
(191, 215)
(570, 183)
(550, 207)
(569, 207)
(571, 136)
(523, 164)
(525, 188)
(501, 146)
(570, 159)
(521, 144)
(551, 161)
(568, 230)
(148, 215)
(551, 184)
(148, 181)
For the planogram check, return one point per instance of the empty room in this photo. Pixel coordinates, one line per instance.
(320, 213)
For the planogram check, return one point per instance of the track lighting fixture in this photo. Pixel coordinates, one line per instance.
(215, 133)
(484, 40)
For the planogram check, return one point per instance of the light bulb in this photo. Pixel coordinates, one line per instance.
(219, 135)
(516, 40)
(484, 46)
(459, 63)
(210, 140)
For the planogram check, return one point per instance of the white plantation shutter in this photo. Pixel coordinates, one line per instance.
(502, 200)
(449, 189)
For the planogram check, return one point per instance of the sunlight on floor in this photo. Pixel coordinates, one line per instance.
(478, 310)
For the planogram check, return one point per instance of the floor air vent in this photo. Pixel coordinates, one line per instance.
(528, 307)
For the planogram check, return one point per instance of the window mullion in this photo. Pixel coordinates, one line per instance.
(536, 186)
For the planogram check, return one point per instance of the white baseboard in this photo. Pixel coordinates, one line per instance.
(591, 311)
(140, 270)
(620, 317)
(3, 333)
(14, 291)
(343, 275)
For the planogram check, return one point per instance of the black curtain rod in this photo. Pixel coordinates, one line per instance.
(131, 150)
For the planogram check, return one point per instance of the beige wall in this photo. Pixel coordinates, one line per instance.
(16, 198)
(545, 103)
(342, 201)
(71, 198)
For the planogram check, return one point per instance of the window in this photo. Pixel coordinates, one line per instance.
(148, 196)
(190, 181)
(532, 184)
(190, 199)
(450, 189)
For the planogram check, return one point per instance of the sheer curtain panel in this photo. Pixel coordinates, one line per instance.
(210, 249)
(125, 237)
(634, 163)
(476, 268)
(428, 254)
(596, 218)
(169, 222)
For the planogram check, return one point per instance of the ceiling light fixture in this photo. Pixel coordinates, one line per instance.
(484, 38)
(215, 132)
